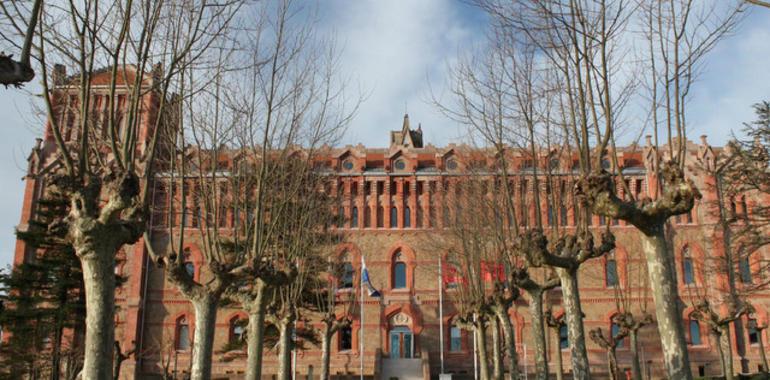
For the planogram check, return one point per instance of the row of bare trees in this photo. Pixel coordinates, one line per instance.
(561, 80)
(247, 85)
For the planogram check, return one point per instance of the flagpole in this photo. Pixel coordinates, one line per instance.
(441, 312)
(361, 330)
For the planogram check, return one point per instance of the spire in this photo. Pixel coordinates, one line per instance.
(405, 128)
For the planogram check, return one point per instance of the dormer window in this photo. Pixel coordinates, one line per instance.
(347, 165)
(400, 164)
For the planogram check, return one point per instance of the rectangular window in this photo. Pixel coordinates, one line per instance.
(745, 269)
(753, 332)
(455, 339)
(689, 272)
(346, 339)
(563, 337)
(611, 273)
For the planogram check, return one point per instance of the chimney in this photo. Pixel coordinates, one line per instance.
(648, 140)
(704, 140)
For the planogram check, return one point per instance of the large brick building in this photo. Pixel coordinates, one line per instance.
(393, 203)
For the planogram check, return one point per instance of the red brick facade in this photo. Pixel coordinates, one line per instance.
(393, 204)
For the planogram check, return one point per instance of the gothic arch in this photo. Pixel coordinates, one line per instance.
(408, 257)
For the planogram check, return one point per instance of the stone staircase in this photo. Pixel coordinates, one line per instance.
(402, 369)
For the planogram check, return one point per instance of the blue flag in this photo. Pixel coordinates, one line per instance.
(365, 279)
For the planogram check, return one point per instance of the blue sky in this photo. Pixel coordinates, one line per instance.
(393, 50)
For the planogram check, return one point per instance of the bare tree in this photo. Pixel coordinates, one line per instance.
(556, 324)
(719, 325)
(106, 124)
(14, 72)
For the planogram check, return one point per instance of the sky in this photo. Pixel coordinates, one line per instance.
(398, 52)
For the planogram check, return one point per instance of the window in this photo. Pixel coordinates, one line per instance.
(400, 165)
(695, 333)
(182, 338)
(563, 214)
(190, 268)
(602, 220)
(550, 215)
(347, 165)
(341, 217)
(237, 330)
(348, 273)
(399, 272)
(346, 339)
(745, 269)
(563, 337)
(689, 272)
(753, 332)
(367, 217)
(407, 217)
(393, 217)
(611, 272)
(354, 217)
(614, 331)
(380, 217)
(455, 339)
(451, 164)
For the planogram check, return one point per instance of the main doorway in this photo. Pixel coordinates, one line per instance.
(401, 342)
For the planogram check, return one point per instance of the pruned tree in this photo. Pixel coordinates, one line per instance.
(556, 323)
(719, 324)
(105, 123)
(609, 344)
(334, 307)
(13, 72)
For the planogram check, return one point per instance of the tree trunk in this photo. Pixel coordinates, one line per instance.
(636, 366)
(285, 346)
(99, 283)
(720, 350)
(538, 333)
(727, 352)
(481, 346)
(667, 311)
(255, 334)
(612, 358)
(203, 339)
(56, 353)
(574, 319)
(510, 343)
(497, 357)
(559, 364)
(325, 353)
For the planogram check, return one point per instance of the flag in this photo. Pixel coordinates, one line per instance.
(365, 279)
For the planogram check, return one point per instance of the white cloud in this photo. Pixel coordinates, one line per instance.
(392, 48)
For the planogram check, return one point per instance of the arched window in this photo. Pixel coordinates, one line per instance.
(688, 269)
(345, 342)
(614, 330)
(455, 339)
(745, 270)
(407, 217)
(753, 331)
(237, 333)
(563, 337)
(611, 272)
(367, 217)
(348, 273)
(380, 217)
(695, 333)
(341, 217)
(182, 338)
(399, 272)
(354, 217)
(393, 217)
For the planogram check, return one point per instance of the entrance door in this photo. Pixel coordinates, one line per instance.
(401, 343)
